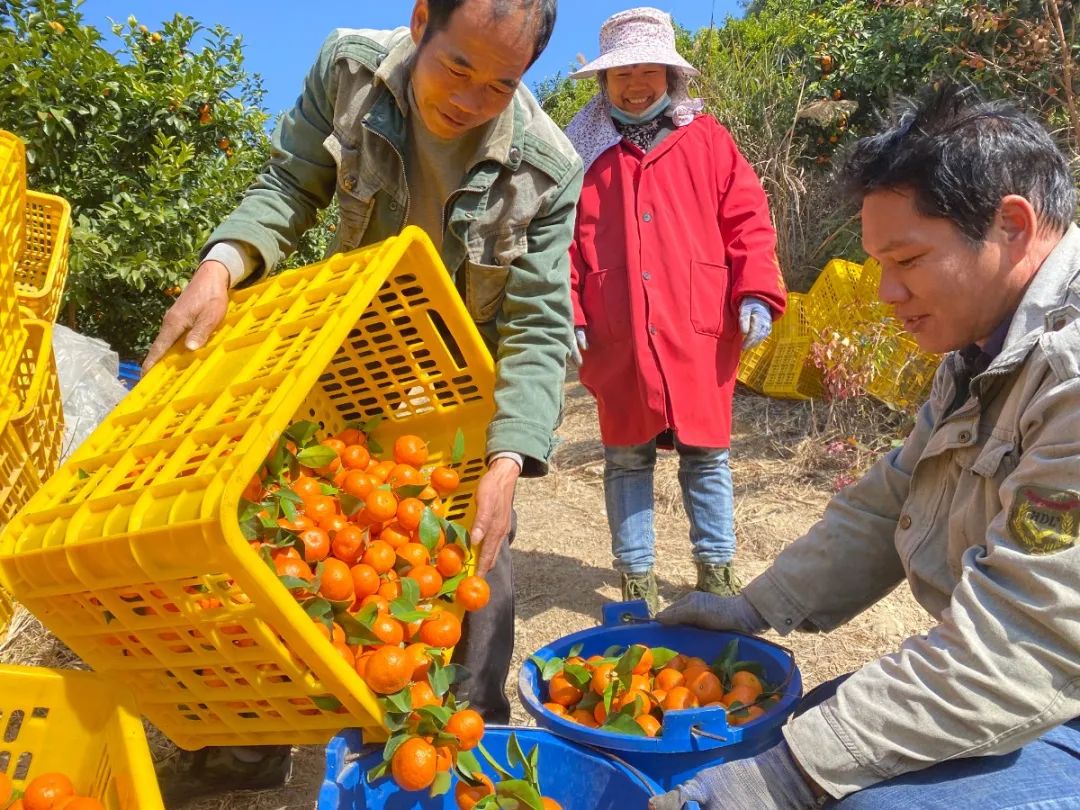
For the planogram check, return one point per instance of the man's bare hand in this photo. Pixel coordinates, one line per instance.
(494, 507)
(198, 311)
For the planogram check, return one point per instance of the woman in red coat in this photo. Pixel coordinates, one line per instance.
(674, 272)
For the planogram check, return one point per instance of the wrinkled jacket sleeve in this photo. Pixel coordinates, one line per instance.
(1001, 668)
(285, 198)
(848, 560)
(746, 227)
(535, 333)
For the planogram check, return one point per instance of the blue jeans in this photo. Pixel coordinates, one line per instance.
(1043, 775)
(705, 480)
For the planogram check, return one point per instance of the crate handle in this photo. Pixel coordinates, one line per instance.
(447, 337)
(635, 611)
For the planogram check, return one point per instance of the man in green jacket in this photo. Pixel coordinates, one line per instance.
(429, 126)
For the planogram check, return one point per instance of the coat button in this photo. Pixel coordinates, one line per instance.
(646, 275)
(647, 216)
(964, 436)
(905, 522)
(515, 155)
(652, 329)
(349, 182)
(393, 206)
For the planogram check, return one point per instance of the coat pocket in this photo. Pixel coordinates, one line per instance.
(356, 195)
(485, 288)
(708, 297)
(606, 304)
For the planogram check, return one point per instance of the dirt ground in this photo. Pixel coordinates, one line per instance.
(562, 558)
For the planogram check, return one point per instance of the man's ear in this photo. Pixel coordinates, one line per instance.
(1018, 222)
(419, 22)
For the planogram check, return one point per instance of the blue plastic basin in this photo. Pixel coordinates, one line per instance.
(691, 739)
(577, 778)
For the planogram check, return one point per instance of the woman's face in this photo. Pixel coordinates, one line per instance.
(635, 88)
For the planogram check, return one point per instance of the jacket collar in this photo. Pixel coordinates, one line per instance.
(504, 137)
(1051, 300)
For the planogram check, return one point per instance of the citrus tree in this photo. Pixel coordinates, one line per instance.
(152, 145)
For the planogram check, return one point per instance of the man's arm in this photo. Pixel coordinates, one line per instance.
(1001, 668)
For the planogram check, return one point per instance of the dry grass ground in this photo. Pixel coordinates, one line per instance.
(783, 479)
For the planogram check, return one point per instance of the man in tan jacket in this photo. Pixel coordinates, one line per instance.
(969, 207)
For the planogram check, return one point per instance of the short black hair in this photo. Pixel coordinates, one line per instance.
(961, 155)
(542, 11)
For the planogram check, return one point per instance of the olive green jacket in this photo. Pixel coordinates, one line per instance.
(507, 229)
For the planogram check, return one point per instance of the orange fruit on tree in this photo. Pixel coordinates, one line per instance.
(409, 449)
(468, 726)
(320, 507)
(388, 629)
(644, 664)
(287, 566)
(316, 544)
(381, 605)
(562, 691)
(414, 554)
(390, 588)
(421, 662)
(381, 470)
(350, 436)
(355, 457)
(413, 765)
(602, 676)
(395, 534)
(306, 487)
(333, 524)
(743, 716)
(301, 523)
(557, 708)
(466, 796)
(409, 513)
(444, 480)
(380, 505)
(365, 580)
(583, 716)
(380, 556)
(450, 560)
(668, 678)
(550, 804)
(336, 583)
(348, 544)
(749, 680)
(679, 698)
(444, 758)
(361, 663)
(423, 695)
(637, 698)
(742, 694)
(428, 578)
(648, 723)
(388, 670)
(442, 630)
(45, 791)
(599, 713)
(358, 484)
(706, 687)
(472, 593)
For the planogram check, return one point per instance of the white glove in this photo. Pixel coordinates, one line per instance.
(581, 344)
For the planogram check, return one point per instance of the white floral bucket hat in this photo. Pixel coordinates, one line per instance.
(640, 36)
(636, 37)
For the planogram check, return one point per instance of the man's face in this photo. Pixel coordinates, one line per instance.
(635, 88)
(946, 292)
(466, 74)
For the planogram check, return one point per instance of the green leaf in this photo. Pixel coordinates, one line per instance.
(327, 703)
(392, 745)
(550, 668)
(450, 585)
(295, 583)
(357, 632)
(401, 611)
(409, 491)
(378, 772)
(374, 447)
(439, 715)
(316, 457)
(661, 657)
(514, 755)
(410, 591)
(458, 451)
(400, 701)
(350, 504)
(578, 675)
(609, 695)
(288, 510)
(575, 651)
(302, 432)
(612, 651)
(83, 474)
(494, 763)
(468, 766)
(441, 785)
(521, 791)
(624, 724)
(430, 527)
(624, 667)
(322, 610)
(370, 425)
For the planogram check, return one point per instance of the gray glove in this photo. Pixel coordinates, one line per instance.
(755, 321)
(769, 781)
(581, 344)
(715, 613)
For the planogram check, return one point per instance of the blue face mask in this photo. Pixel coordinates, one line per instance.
(654, 110)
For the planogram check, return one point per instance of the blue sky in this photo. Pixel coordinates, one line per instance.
(281, 39)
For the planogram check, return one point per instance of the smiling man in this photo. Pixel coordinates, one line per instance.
(969, 207)
(430, 126)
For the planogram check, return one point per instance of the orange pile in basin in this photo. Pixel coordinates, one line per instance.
(628, 690)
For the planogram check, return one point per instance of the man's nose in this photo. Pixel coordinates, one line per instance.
(890, 289)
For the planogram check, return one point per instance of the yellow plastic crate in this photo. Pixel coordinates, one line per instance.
(132, 553)
(903, 374)
(18, 478)
(795, 321)
(791, 374)
(42, 266)
(12, 201)
(7, 610)
(40, 418)
(832, 294)
(79, 724)
(754, 364)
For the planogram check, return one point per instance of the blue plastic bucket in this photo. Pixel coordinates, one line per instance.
(130, 373)
(577, 778)
(691, 739)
